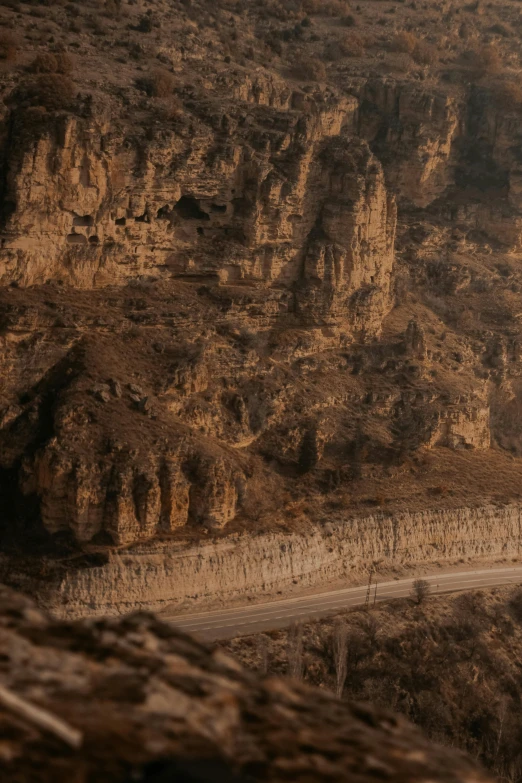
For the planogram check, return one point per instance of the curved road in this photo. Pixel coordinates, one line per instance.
(244, 620)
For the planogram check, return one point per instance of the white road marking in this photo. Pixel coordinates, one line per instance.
(218, 621)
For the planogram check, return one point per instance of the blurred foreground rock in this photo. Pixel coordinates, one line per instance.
(155, 705)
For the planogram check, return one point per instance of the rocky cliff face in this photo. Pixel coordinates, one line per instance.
(166, 576)
(143, 702)
(286, 198)
(238, 297)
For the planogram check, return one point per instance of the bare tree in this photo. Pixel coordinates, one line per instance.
(262, 651)
(295, 651)
(420, 590)
(340, 656)
(370, 627)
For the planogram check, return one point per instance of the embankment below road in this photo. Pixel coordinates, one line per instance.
(242, 567)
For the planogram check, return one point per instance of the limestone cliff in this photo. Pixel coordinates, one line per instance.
(166, 576)
(240, 295)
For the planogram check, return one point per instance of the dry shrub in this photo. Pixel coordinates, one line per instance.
(405, 42)
(425, 54)
(169, 108)
(310, 69)
(8, 47)
(282, 11)
(508, 95)
(349, 20)
(53, 92)
(422, 52)
(112, 9)
(399, 63)
(159, 84)
(501, 29)
(49, 62)
(162, 83)
(485, 61)
(326, 7)
(348, 46)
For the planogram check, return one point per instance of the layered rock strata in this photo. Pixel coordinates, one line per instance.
(255, 303)
(238, 568)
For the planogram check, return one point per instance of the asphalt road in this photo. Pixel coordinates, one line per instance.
(227, 623)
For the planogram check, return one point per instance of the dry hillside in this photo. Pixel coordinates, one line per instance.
(260, 265)
(452, 665)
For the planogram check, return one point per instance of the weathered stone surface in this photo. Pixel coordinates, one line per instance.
(257, 302)
(240, 567)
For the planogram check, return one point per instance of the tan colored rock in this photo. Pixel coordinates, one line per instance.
(178, 576)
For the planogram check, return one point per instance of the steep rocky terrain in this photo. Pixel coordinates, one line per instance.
(135, 700)
(260, 273)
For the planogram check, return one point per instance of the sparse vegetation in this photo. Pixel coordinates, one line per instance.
(8, 47)
(50, 62)
(310, 70)
(420, 590)
(451, 665)
(485, 61)
(350, 45)
(53, 92)
(326, 7)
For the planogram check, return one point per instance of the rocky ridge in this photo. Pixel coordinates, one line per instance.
(256, 300)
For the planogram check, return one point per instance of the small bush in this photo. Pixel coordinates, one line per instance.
(8, 47)
(291, 9)
(422, 52)
(400, 62)
(326, 7)
(349, 46)
(161, 83)
(501, 29)
(508, 95)
(169, 108)
(145, 25)
(425, 54)
(158, 84)
(53, 92)
(405, 42)
(49, 62)
(311, 69)
(420, 590)
(515, 604)
(485, 61)
(349, 20)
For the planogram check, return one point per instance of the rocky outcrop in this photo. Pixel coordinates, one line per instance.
(236, 299)
(144, 702)
(215, 573)
(416, 133)
(96, 206)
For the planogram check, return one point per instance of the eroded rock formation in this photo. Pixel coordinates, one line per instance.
(256, 300)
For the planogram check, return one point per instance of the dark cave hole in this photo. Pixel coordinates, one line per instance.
(188, 208)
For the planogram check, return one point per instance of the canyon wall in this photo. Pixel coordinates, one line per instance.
(243, 296)
(238, 568)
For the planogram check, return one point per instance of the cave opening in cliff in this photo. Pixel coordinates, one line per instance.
(188, 208)
(83, 220)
